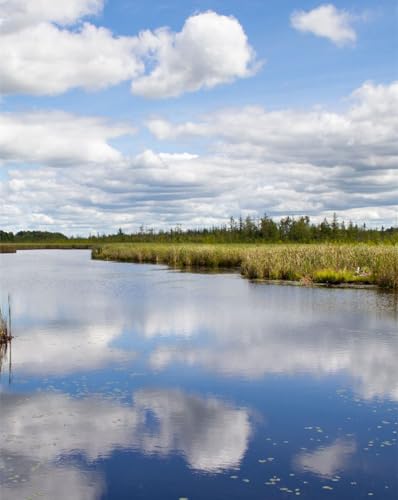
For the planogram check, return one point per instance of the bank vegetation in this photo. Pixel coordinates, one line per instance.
(331, 264)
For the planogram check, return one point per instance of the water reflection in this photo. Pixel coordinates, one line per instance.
(367, 358)
(24, 479)
(6, 360)
(72, 312)
(326, 461)
(211, 434)
(114, 363)
(66, 348)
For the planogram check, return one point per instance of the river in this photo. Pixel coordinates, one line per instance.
(131, 381)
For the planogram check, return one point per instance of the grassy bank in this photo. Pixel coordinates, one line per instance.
(66, 245)
(314, 263)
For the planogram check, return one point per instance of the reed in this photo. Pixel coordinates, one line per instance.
(179, 256)
(5, 325)
(67, 245)
(7, 248)
(314, 263)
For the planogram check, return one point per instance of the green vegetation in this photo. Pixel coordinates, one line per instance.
(320, 263)
(248, 230)
(7, 248)
(5, 326)
(31, 237)
(180, 256)
(292, 249)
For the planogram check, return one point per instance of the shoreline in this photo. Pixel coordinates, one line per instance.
(310, 265)
(337, 266)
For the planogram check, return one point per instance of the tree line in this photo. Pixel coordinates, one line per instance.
(237, 230)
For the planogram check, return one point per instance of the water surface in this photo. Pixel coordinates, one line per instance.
(134, 381)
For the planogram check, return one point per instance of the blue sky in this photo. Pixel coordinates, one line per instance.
(329, 73)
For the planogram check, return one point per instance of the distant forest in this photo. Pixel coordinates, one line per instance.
(240, 230)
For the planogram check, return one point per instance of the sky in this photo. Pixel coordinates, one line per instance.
(129, 113)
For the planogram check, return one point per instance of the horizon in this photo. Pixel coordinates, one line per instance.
(224, 226)
(119, 115)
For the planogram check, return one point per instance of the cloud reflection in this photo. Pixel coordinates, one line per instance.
(67, 349)
(372, 364)
(49, 482)
(71, 311)
(210, 434)
(326, 461)
(253, 334)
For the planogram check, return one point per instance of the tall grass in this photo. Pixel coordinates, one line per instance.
(5, 325)
(62, 245)
(3, 328)
(319, 263)
(180, 256)
(7, 249)
(325, 264)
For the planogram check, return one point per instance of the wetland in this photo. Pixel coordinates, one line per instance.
(139, 381)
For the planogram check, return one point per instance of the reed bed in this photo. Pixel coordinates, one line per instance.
(68, 245)
(7, 249)
(5, 326)
(314, 263)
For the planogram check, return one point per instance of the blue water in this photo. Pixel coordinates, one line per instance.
(134, 381)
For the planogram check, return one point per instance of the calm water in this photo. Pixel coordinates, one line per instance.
(134, 381)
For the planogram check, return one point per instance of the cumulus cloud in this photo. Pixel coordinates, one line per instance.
(41, 54)
(210, 50)
(45, 59)
(326, 21)
(15, 14)
(363, 136)
(284, 162)
(309, 161)
(58, 138)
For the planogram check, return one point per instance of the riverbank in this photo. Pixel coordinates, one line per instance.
(313, 263)
(68, 245)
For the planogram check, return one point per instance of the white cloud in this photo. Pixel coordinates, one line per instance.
(41, 55)
(58, 138)
(363, 135)
(326, 21)
(15, 14)
(45, 59)
(211, 49)
(284, 162)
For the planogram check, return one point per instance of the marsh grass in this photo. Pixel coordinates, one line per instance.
(67, 245)
(177, 256)
(315, 263)
(5, 325)
(7, 249)
(3, 328)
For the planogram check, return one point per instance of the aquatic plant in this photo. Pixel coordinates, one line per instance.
(7, 249)
(318, 263)
(5, 325)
